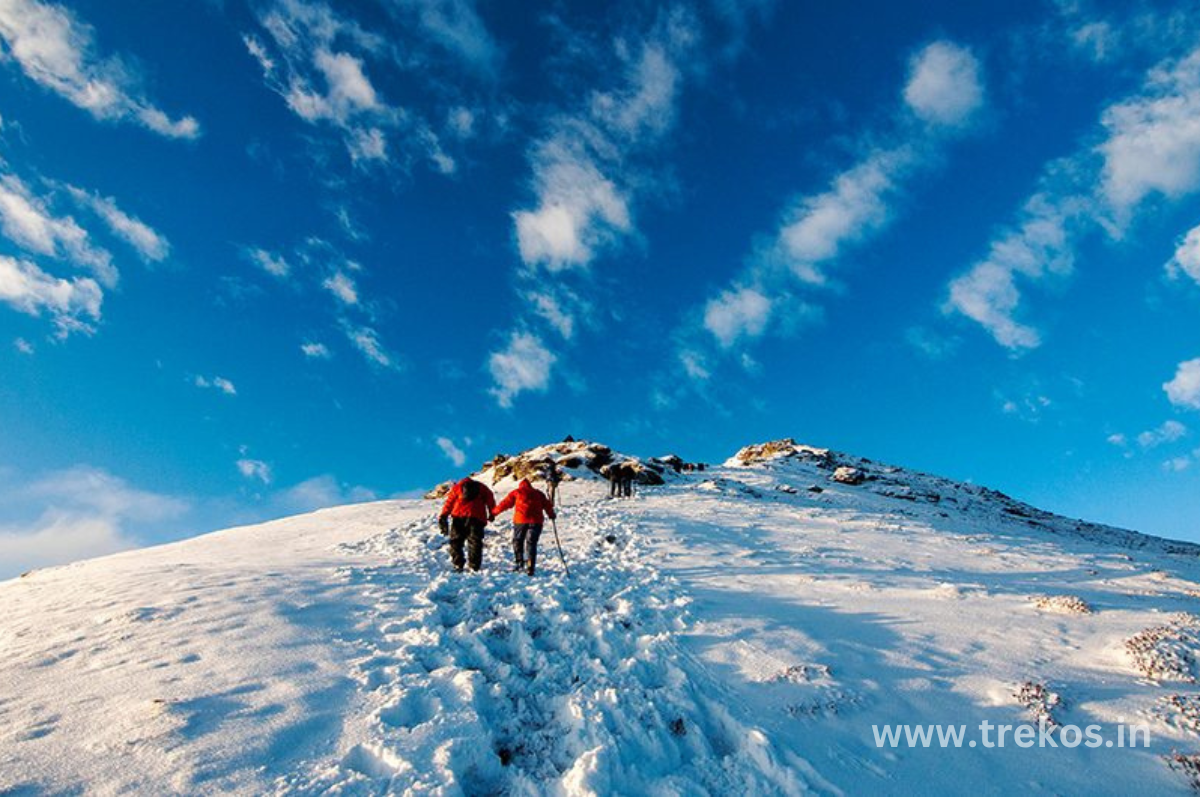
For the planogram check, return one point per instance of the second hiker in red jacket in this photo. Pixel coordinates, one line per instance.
(469, 506)
(529, 504)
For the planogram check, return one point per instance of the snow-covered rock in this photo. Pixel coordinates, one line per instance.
(846, 474)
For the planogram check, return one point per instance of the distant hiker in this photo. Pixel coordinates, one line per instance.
(553, 476)
(469, 506)
(613, 472)
(628, 473)
(529, 503)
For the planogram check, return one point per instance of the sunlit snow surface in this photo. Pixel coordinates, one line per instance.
(732, 632)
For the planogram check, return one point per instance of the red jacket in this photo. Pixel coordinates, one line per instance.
(480, 509)
(529, 501)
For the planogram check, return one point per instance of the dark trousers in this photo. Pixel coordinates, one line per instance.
(525, 540)
(466, 531)
(614, 487)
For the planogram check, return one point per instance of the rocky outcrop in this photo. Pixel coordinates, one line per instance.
(846, 474)
(780, 449)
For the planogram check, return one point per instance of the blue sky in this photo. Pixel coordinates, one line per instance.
(257, 257)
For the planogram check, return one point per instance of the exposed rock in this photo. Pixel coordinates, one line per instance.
(849, 475)
(439, 492)
(776, 449)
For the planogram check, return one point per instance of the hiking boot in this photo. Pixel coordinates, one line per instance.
(518, 567)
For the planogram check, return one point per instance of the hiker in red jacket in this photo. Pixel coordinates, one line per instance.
(469, 506)
(529, 503)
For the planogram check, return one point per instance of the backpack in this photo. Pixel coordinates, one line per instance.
(470, 490)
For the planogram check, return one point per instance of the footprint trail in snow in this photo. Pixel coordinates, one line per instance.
(497, 683)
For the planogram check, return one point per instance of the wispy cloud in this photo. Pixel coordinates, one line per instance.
(150, 244)
(342, 286)
(456, 26)
(1147, 145)
(28, 221)
(582, 180)
(73, 304)
(329, 68)
(1168, 432)
(316, 351)
(451, 450)
(366, 340)
(75, 514)
(523, 365)
(941, 97)
(218, 383)
(255, 469)
(274, 264)
(57, 50)
(1040, 245)
(588, 175)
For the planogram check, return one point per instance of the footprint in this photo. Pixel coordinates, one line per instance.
(372, 760)
(412, 709)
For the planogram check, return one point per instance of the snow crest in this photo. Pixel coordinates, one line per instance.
(497, 683)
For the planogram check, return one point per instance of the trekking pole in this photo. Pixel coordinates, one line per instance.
(554, 525)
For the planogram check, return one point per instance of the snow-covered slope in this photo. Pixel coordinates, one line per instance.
(733, 631)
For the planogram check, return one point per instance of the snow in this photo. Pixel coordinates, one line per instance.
(730, 632)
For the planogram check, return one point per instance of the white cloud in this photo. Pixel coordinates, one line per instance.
(56, 50)
(151, 245)
(27, 221)
(457, 26)
(1187, 256)
(216, 383)
(581, 174)
(255, 469)
(1029, 407)
(342, 287)
(452, 451)
(1169, 432)
(816, 229)
(366, 340)
(553, 312)
(73, 305)
(348, 91)
(1153, 138)
(944, 88)
(317, 493)
(23, 346)
(1040, 245)
(461, 122)
(737, 313)
(1119, 440)
(328, 69)
(77, 513)
(366, 145)
(1097, 39)
(1184, 389)
(579, 208)
(316, 351)
(1150, 146)
(1177, 464)
(274, 264)
(694, 365)
(523, 365)
(944, 85)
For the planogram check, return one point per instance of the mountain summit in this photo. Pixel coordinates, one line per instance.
(743, 628)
